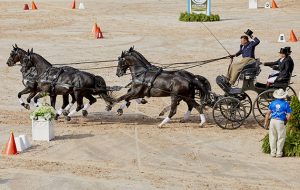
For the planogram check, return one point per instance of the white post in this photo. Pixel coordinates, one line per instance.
(189, 6)
(299, 96)
(252, 4)
(208, 12)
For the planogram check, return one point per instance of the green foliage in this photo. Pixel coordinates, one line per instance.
(45, 111)
(266, 145)
(292, 141)
(295, 120)
(193, 17)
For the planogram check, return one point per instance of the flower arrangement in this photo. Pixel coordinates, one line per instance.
(44, 111)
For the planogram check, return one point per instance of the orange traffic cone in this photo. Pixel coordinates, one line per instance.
(74, 5)
(99, 33)
(33, 6)
(94, 28)
(274, 5)
(11, 148)
(293, 37)
(26, 7)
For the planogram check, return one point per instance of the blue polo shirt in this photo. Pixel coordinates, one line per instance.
(279, 108)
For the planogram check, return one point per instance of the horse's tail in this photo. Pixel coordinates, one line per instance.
(203, 85)
(104, 91)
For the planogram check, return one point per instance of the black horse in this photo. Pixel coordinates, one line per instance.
(29, 80)
(57, 81)
(17, 55)
(149, 80)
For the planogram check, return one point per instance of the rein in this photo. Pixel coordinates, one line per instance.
(165, 66)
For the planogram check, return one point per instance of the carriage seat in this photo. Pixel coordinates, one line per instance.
(281, 84)
(276, 85)
(250, 71)
(221, 81)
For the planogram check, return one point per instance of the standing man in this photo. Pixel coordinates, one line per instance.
(279, 110)
(247, 50)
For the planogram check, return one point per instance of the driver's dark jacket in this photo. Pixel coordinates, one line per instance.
(285, 68)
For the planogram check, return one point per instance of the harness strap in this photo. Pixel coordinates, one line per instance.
(150, 84)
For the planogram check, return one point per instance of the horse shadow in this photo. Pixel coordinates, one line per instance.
(73, 136)
(4, 181)
(112, 118)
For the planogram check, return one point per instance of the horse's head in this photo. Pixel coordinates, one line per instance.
(123, 63)
(27, 61)
(15, 56)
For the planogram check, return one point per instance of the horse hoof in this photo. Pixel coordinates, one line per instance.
(143, 101)
(159, 126)
(27, 106)
(68, 118)
(120, 112)
(183, 121)
(84, 113)
(65, 113)
(56, 117)
(161, 113)
(108, 108)
(201, 125)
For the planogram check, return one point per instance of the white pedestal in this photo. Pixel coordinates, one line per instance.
(42, 130)
(281, 38)
(267, 5)
(252, 4)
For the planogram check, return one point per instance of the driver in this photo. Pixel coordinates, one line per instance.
(282, 68)
(247, 50)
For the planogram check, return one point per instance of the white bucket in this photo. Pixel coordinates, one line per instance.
(25, 141)
(81, 6)
(20, 144)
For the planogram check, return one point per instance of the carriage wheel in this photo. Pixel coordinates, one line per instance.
(291, 93)
(229, 113)
(247, 102)
(261, 103)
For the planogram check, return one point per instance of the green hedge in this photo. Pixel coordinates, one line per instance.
(292, 142)
(186, 17)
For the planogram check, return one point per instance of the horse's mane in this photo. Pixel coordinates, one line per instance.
(141, 58)
(21, 49)
(42, 58)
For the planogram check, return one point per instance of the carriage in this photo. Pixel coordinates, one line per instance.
(229, 110)
(235, 106)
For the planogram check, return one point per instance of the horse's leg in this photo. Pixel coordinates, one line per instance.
(92, 100)
(174, 102)
(66, 110)
(29, 98)
(53, 102)
(65, 101)
(165, 110)
(188, 112)
(79, 100)
(128, 96)
(25, 91)
(126, 104)
(36, 98)
(199, 108)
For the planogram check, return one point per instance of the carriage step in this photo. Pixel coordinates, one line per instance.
(234, 91)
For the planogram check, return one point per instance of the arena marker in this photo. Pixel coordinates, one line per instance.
(274, 5)
(293, 37)
(281, 38)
